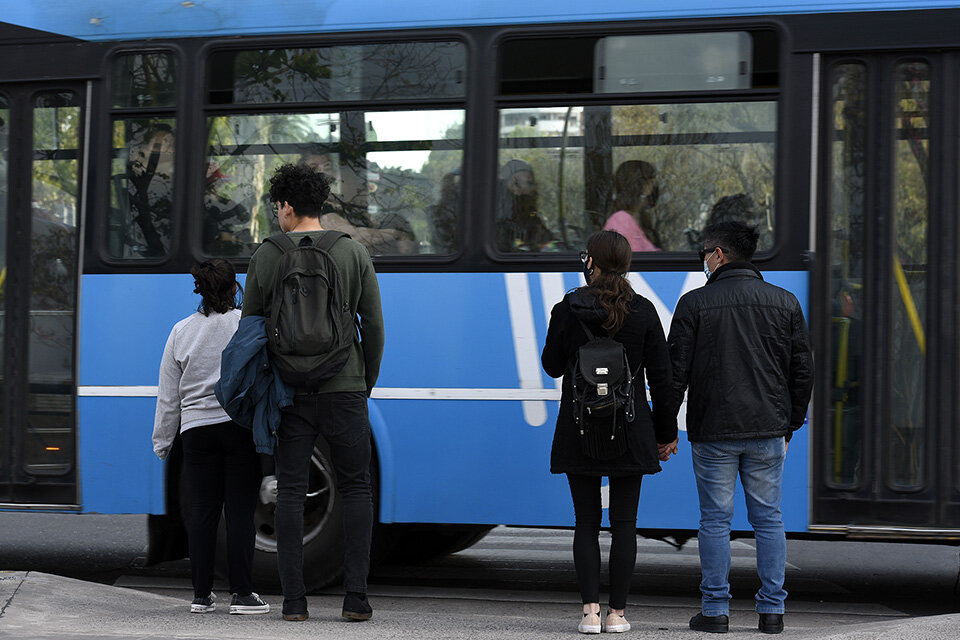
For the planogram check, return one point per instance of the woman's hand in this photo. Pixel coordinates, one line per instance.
(667, 450)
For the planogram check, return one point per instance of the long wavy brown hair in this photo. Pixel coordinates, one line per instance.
(611, 254)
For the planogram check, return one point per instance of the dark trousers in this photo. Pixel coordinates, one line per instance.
(341, 418)
(223, 473)
(624, 497)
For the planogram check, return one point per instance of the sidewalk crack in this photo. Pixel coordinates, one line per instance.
(13, 595)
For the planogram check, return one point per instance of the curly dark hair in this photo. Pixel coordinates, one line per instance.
(301, 187)
(611, 254)
(214, 280)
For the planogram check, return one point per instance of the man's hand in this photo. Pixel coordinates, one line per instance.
(666, 450)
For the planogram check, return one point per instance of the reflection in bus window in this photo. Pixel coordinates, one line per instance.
(844, 468)
(145, 80)
(699, 153)
(141, 188)
(4, 176)
(906, 438)
(388, 174)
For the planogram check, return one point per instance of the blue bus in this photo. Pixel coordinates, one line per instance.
(474, 148)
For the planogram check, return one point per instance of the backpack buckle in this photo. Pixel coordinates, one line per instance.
(602, 389)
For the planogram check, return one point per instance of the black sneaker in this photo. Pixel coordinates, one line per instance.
(295, 610)
(356, 606)
(248, 604)
(205, 604)
(771, 622)
(710, 624)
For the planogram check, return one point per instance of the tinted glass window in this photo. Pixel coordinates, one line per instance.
(640, 63)
(392, 71)
(141, 187)
(145, 80)
(657, 173)
(396, 177)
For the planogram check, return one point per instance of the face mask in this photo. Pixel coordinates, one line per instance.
(706, 270)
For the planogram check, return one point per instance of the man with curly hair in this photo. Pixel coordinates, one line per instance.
(337, 408)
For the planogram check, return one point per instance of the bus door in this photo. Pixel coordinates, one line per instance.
(885, 455)
(41, 129)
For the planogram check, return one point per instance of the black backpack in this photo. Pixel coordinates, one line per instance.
(310, 329)
(602, 383)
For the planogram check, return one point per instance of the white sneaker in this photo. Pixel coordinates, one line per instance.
(590, 623)
(615, 623)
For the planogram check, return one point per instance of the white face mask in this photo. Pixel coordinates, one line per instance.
(706, 270)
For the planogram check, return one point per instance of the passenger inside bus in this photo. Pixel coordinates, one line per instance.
(635, 195)
(443, 215)
(519, 227)
(739, 207)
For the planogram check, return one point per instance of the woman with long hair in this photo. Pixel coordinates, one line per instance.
(220, 460)
(608, 306)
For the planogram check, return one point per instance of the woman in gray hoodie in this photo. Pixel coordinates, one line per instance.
(220, 461)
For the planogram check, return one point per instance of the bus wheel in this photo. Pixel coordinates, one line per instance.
(322, 532)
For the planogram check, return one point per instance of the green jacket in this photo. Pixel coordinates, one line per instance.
(360, 290)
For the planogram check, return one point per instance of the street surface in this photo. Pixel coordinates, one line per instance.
(516, 583)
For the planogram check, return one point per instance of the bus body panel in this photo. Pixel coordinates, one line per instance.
(441, 458)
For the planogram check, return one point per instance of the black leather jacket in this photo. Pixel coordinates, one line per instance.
(742, 347)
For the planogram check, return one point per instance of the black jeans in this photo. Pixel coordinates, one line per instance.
(624, 497)
(223, 473)
(341, 418)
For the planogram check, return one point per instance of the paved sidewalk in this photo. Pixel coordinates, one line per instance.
(39, 606)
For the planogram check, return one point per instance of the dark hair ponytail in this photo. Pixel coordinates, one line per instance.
(611, 254)
(215, 280)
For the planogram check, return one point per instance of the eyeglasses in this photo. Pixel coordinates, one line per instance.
(703, 253)
(584, 256)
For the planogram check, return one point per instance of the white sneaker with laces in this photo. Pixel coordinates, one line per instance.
(204, 605)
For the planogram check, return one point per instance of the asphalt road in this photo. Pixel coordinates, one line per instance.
(913, 579)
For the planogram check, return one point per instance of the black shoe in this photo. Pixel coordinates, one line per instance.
(710, 624)
(248, 604)
(356, 606)
(295, 610)
(771, 622)
(205, 604)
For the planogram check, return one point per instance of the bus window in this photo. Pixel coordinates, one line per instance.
(4, 176)
(48, 448)
(395, 177)
(141, 187)
(658, 173)
(370, 72)
(145, 80)
(906, 438)
(846, 224)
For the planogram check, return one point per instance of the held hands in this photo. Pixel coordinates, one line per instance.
(666, 450)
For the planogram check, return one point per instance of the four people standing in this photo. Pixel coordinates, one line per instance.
(739, 344)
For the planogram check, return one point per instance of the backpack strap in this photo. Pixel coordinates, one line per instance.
(282, 241)
(328, 239)
(586, 329)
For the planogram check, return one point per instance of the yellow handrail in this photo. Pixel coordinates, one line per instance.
(909, 304)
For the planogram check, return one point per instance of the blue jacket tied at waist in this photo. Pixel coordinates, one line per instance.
(250, 389)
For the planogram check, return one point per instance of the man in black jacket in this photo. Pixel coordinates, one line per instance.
(741, 346)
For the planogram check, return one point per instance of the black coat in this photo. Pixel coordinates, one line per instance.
(741, 344)
(642, 336)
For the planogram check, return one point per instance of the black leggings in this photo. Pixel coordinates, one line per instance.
(624, 496)
(222, 471)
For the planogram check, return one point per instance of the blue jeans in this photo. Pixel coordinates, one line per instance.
(759, 462)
